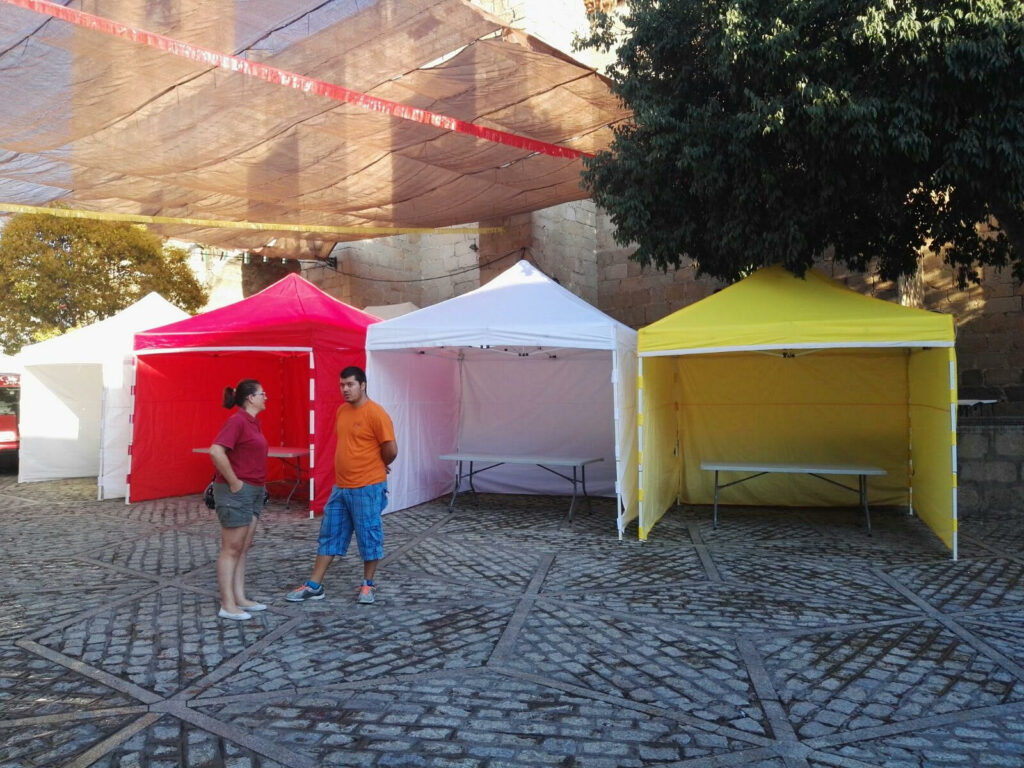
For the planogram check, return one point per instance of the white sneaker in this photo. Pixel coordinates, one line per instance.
(240, 616)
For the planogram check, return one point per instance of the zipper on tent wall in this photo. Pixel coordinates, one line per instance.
(910, 431)
(616, 420)
(131, 428)
(103, 435)
(312, 430)
(640, 448)
(952, 422)
(677, 451)
(462, 389)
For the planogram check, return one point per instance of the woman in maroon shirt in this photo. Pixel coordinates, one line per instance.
(239, 453)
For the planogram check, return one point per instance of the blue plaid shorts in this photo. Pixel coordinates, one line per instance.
(354, 510)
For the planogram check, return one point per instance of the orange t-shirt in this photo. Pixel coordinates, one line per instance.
(361, 432)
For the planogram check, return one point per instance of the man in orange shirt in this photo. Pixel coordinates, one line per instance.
(366, 446)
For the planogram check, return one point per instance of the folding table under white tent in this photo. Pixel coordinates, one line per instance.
(519, 366)
(75, 400)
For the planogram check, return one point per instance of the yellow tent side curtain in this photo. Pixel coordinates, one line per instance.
(774, 309)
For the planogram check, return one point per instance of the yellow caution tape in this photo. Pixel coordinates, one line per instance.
(131, 218)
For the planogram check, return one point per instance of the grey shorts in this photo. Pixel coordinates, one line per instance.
(235, 510)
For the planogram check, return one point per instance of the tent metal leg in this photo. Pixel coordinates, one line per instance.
(864, 500)
(714, 519)
(458, 483)
(572, 502)
(471, 486)
(578, 482)
(459, 474)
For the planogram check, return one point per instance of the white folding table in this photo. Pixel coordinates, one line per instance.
(578, 465)
(819, 471)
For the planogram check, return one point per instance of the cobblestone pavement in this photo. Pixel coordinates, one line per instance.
(504, 635)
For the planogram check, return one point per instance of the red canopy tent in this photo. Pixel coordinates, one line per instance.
(292, 337)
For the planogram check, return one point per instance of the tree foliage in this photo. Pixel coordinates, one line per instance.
(770, 130)
(61, 273)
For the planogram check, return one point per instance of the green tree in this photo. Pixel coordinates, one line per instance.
(770, 130)
(61, 273)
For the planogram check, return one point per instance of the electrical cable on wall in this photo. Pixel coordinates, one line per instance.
(522, 250)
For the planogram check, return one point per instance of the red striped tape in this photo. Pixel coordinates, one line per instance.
(292, 79)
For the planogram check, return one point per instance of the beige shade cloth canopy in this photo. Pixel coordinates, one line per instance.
(105, 124)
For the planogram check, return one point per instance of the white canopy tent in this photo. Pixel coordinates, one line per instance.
(9, 364)
(519, 366)
(76, 398)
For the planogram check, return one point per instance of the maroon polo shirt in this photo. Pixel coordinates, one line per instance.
(243, 439)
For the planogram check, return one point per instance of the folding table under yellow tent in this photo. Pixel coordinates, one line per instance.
(777, 368)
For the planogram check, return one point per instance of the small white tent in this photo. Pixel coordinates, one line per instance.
(9, 364)
(76, 398)
(519, 366)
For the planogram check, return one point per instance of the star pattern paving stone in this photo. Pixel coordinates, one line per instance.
(506, 634)
(164, 553)
(29, 533)
(816, 577)
(31, 687)
(477, 718)
(981, 583)
(598, 565)
(172, 742)
(161, 641)
(986, 742)
(1003, 630)
(55, 742)
(884, 675)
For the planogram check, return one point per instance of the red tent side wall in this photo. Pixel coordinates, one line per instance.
(329, 364)
(178, 408)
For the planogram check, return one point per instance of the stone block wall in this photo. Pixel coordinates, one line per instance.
(990, 472)
(423, 269)
(990, 333)
(562, 246)
(427, 269)
(636, 295)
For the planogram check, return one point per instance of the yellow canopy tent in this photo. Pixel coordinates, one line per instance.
(776, 368)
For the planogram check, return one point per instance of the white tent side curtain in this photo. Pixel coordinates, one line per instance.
(540, 406)
(60, 413)
(75, 398)
(625, 406)
(421, 393)
(492, 403)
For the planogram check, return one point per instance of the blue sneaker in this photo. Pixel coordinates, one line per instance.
(367, 594)
(305, 592)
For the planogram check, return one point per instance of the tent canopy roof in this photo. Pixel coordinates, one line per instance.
(105, 124)
(775, 309)
(520, 307)
(290, 313)
(105, 340)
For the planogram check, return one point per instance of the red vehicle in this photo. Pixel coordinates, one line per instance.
(9, 391)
